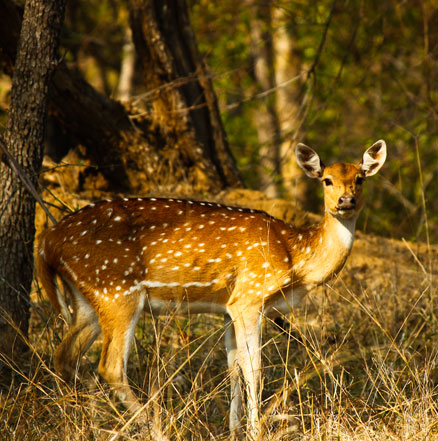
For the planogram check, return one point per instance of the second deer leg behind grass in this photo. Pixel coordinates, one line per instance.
(82, 333)
(235, 418)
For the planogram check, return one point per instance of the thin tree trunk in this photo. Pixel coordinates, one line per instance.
(266, 118)
(34, 67)
(287, 69)
(124, 89)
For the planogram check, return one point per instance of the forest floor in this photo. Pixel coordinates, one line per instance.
(358, 361)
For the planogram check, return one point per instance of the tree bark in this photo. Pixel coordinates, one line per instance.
(287, 70)
(180, 93)
(136, 150)
(127, 68)
(266, 117)
(34, 67)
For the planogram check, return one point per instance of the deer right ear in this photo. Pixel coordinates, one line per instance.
(309, 161)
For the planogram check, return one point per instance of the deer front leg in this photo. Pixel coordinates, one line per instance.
(247, 334)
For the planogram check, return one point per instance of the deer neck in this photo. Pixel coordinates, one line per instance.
(340, 231)
(322, 251)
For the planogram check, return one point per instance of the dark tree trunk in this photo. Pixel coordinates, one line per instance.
(157, 145)
(34, 67)
(181, 93)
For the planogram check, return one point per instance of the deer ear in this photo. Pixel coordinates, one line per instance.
(373, 158)
(309, 161)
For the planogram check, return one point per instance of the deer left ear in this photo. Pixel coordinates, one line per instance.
(373, 158)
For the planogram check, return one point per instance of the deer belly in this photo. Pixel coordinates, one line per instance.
(185, 297)
(157, 306)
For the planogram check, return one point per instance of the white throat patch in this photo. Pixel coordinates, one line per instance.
(346, 229)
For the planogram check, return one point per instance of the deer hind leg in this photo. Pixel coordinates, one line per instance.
(80, 336)
(247, 334)
(236, 390)
(118, 334)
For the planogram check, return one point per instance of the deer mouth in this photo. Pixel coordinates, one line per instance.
(346, 211)
(346, 208)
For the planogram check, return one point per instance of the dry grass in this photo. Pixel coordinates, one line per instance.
(357, 362)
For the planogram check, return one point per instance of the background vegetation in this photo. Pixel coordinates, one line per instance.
(367, 70)
(353, 71)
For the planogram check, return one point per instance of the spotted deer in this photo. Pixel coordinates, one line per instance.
(118, 258)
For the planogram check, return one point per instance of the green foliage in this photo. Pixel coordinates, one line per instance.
(374, 77)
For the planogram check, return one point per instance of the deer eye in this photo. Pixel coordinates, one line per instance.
(359, 180)
(327, 182)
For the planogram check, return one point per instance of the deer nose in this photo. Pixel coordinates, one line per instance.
(347, 202)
